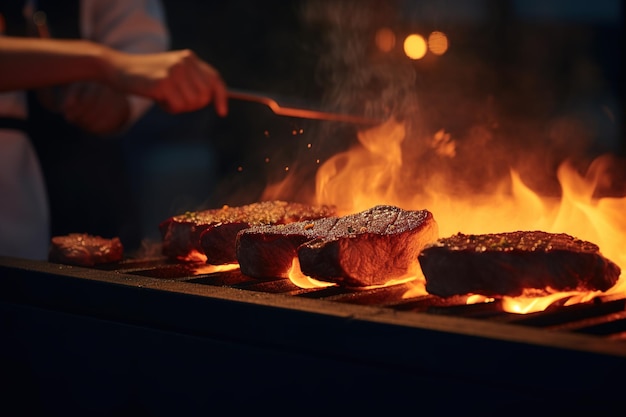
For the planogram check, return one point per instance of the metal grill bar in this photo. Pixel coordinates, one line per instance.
(601, 317)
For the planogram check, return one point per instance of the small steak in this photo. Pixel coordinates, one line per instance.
(210, 235)
(508, 263)
(85, 250)
(367, 248)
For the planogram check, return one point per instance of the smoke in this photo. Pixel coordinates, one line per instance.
(487, 106)
(356, 77)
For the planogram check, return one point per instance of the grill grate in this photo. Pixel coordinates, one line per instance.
(603, 316)
(157, 325)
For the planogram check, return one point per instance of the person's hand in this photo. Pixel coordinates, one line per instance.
(95, 108)
(179, 81)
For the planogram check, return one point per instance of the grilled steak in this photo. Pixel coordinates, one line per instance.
(268, 251)
(369, 248)
(362, 249)
(210, 235)
(85, 250)
(508, 263)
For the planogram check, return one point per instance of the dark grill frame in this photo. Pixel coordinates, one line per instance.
(200, 348)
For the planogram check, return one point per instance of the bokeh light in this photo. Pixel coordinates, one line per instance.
(385, 39)
(438, 43)
(415, 46)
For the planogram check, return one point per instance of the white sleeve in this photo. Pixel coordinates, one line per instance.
(133, 26)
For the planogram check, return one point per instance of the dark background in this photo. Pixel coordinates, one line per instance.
(541, 79)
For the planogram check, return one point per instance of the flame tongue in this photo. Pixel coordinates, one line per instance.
(298, 278)
(530, 304)
(376, 173)
(364, 176)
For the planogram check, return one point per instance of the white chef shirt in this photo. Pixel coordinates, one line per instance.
(134, 26)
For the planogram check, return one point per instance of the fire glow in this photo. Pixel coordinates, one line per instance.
(298, 278)
(204, 268)
(374, 173)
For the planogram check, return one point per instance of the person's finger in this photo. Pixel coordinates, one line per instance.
(210, 88)
(200, 83)
(220, 95)
(187, 82)
(183, 82)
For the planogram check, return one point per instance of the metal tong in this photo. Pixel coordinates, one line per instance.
(303, 113)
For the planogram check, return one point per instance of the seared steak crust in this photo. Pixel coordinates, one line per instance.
(362, 249)
(211, 234)
(85, 250)
(268, 251)
(508, 263)
(369, 248)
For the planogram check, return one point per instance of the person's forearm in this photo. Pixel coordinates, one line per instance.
(31, 63)
(179, 80)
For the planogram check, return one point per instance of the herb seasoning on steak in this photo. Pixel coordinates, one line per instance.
(210, 235)
(85, 250)
(367, 248)
(508, 263)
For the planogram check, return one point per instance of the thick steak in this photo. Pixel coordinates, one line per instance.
(367, 248)
(85, 250)
(268, 251)
(508, 263)
(210, 235)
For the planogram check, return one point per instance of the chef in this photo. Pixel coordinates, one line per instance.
(120, 61)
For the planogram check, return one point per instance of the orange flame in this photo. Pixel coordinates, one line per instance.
(303, 281)
(477, 298)
(211, 269)
(298, 278)
(355, 179)
(374, 173)
(523, 304)
(417, 288)
(194, 256)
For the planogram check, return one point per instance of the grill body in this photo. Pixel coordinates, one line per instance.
(143, 338)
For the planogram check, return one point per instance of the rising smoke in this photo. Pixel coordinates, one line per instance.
(491, 104)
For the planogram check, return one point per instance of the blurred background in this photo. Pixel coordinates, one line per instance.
(511, 81)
